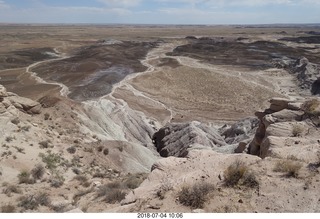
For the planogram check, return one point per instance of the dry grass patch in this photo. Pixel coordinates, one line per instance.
(11, 189)
(134, 181)
(195, 195)
(112, 192)
(297, 130)
(289, 167)
(239, 174)
(311, 107)
(32, 202)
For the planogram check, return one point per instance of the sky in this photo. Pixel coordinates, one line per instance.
(208, 12)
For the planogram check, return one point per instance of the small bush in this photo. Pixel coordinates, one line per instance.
(28, 202)
(99, 148)
(310, 107)
(234, 173)
(134, 181)
(83, 180)
(38, 171)
(24, 177)
(11, 189)
(105, 189)
(51, 160)
(196, 195)
(250, 180)
(32, 202)
(72, 150)
(45, 144)
(15, 121)
(9, 138)
(291, 168)
(8, 208)
(297, 130)
(115, 195)
(106, 151)
(43, 199)
(56, 181)
(46, 116)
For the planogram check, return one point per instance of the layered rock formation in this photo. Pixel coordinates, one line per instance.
(288, 128)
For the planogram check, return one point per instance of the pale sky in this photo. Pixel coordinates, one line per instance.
(160, 11)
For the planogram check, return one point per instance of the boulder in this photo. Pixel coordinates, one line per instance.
(278, 104)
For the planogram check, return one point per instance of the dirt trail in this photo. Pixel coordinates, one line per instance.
(64, 89)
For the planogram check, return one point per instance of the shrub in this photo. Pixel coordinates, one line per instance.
(8, 208)
(99, 148)
(83, 180)
(57, 180)
(196, 195)
(297, 130)
(51, 160)
(32, 202)
(38, 171)
(115, 195)
(112, 192)
(291, 168)
(43, 199)
(9, 138)
(249, 180)
(46, 116)
(106, 151)
(15, 121)
(45, 144)
(135, 180)
(310, 107)
(28, 202)
(24, 177)
(72, 150)
(234, 173)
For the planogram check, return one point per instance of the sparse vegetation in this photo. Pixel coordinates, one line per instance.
(24, 177)
(9, 138)
(112, 192)
(38, 171)
(297, 130)
(56, 180)
(196, 195)
(249, 180)
(51, 160)
(32, 202)
(134, 180)
(289, 167)
(83, 180)
(8, 208)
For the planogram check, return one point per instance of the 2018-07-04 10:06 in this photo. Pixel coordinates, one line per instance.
(160, 215)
